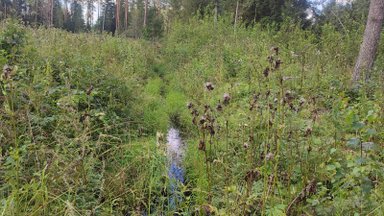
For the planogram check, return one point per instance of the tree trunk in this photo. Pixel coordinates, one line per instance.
(126, 8)
(145, 13)
(117, 15)
(216, 11)
(51, 13)
(236, 14)
(371, 40)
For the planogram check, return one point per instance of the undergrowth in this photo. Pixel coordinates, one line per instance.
(270, 122)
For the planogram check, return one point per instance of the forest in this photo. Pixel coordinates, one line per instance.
(191, 107)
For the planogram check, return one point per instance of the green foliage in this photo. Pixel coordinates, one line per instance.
(78, 114)
(12, 40)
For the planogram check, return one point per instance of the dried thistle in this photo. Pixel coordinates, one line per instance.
(7, 71)
(209, 86)
(275, 49)
(219, 107)
(89, 90)
(308, 131)
(202, 145)
(270, 156)
(226, 98)
(278, 63)
(203, 119)
(189, 105)
(266, 72)
(194, 112)
(252, 176)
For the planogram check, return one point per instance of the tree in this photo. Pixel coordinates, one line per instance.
(126, 10)
(58, 14)
(89, 15)
(107, 20)
(76, 21)
(145, 12)
(371, 40)
(117, 15)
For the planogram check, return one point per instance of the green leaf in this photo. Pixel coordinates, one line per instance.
(353, 143)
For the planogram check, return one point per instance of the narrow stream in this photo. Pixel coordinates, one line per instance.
(175, 154)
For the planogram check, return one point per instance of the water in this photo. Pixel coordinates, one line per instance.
(175, 154)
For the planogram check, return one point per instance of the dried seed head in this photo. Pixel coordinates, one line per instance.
(268, 93)
(252, 176)
(7, 71)
(206, 108)
(211, 130)
(270, 156)
(275, 100)
(302, 101)
(189, 105)
(202, 145)
(275, 49)
(226, 98)
(278, 63)
(309, 149)
(251, 138)
(256, 97)
(266, 72)
(308, 131)
(194, 112)
(89, 90)
(209, 86)
(203, 119)
(219, 107)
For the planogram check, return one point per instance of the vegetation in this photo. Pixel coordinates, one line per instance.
(270, 122)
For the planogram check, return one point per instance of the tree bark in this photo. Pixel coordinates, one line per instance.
(216, 11)
(145, 13)
(371, 40)
(117, 15)
(126, 8)
(236, 15)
